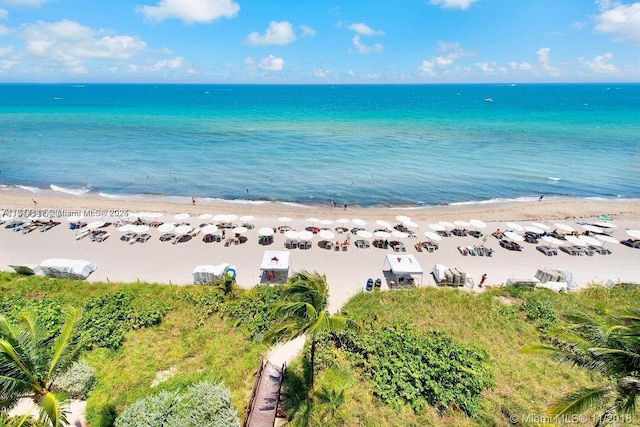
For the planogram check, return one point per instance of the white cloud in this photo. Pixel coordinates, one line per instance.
(365, 49)
(600, 64)
(453, 4)
(365, 30)
(4, 14)
(623, 21)
(277, 33)
(175, 63)
(523, 66)
(578, 25)
(6, 50)
(307, 31)
(449, 53)
(322, 74)
(27, 2)
(6, 65)
(271, 63)
(249, 62)
(72, 44)
(543, 54)
(486, 68)
(191, 11)
(4, 30)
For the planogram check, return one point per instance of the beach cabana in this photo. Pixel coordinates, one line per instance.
(207, 274)
(275, 266)
(403, 266)
(65, 268)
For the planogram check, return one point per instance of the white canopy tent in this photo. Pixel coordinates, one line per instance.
(207, 274)
(65, 268)
(275, 265)
(401, 265)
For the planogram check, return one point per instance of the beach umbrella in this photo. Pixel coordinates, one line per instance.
(447, 224)
(477, 223)
(305, 235)
(74, 218)
(266, 231)
(540, 225)
(291, 234)
(183, 229)
(230, 217)
(382, 234)
(140, 228)
(247, 218)
(590, 240)
(606, 239)
(605, 224)
(532, 229)
(410, 224)
(343, 221)
(359, 222)
(591, 228)
(95, 224)
(284, 219)
(399, 234)
(514, 236)
(553, 240)
(634, 233)
(167, 227)
(209, 229)
(565, 227)
(155, 214)
(403, 218)
(325, 222)
(384, 224)
(326, 234)
(219, 217)
(239, 230)
(364, 233)
(575, 241)
(432, 236)
(205, 216)
(313, 220)
(604, 217)
(437, 227)
(514, 226)
(462, 223)
(126, 228)
(181, 216)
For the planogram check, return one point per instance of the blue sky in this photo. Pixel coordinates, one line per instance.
(314, 41)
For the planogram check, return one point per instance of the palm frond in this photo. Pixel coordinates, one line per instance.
(581, 401)
(52, 410)
(15, 363)
(626, 403)
(64, 352)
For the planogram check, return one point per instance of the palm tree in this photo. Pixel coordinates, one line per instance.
(31, 360)
(304, 311)
(226, 283)
(609, 345)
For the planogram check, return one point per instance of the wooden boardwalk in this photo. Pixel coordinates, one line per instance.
(266, 396)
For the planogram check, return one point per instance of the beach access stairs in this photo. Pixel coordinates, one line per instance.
(262, 409)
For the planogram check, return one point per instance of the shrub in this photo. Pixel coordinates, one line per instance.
(50, 310)
(202, 404)
(206, 300)
(253, 311)
(409, 368)
(77, 381)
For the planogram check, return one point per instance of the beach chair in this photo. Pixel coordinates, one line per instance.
(547, 250)
(369, 285)
(143, 238)
(463, 250)
(378, 284)
(600, 250)
(164, 238)
(571, 250)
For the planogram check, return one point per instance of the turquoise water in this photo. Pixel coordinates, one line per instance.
(368, 145)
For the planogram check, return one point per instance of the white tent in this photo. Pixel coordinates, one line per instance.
(206, 274)
(66, 268)
(403, 265)
(275, 265)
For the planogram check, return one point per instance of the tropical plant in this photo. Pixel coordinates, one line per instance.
(609, 344)
(304, 311)
(226, 284)
(31, 360)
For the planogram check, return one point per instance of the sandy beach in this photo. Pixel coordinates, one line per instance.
(346, 271)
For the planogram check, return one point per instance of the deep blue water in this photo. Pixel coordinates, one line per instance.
(369, 145)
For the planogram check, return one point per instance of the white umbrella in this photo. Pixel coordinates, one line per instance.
(399, 234)
(209, 229)
(219, 217)
(359, 222)
(364, 233)
(230, 217)
(477, 223)
(447, 224)
(126, 228)
(95, 224)
(181, 216)
(205, 216)
(532, 229)
(155, 214)
(313, 220)
(247, 218)
(514, 226)
(462, 223)
(305, 235)
(140, 228)
(553, 240)
(382, 234)
(540, 225)
(403, 218)
(166, 227)
(605, 224)
(634, 233)
(239, 230)
(437, 227)
(284, 219)
(326, 234)
(576, 241)
(432, 236)
(183, 229)
(326, 222)
(383, 223)
(591, 228)
(291, 234)
(514, 236)
(140, 214)
(565, 227)
(343, 221)
(410, 224)
(606, 239)
(266, 231)
(75, 218)
(590, 240)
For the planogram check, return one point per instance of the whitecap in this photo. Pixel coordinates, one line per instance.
(73, 191)
(553, 178)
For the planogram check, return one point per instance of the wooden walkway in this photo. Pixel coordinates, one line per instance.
(261, 411)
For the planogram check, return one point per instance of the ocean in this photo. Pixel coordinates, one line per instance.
(368, 145)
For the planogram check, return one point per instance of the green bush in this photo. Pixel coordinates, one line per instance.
(202, 404)
(77, 381)
(206, 300)
(50, 310)
(407, 368)
(540, 311)
(253, 310)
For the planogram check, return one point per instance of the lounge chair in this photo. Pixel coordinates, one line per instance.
(142, 238)
(463, 250)
(165, 237)
(635, 243)
(600, 250)
(571, 250)
(547, 250)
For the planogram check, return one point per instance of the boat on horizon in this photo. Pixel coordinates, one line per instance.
(488, 100)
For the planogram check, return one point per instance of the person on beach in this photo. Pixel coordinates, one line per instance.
(345, 205)
(34, 202)
(482, 280)
(193, 201)
(541, 197)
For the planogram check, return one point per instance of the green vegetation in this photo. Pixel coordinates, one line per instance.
(425, 357)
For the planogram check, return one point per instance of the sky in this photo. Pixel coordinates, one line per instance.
(319, 42)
